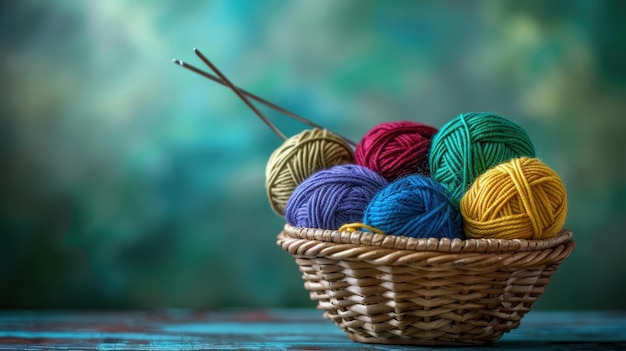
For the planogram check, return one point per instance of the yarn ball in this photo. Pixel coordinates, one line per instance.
(415, 206)
(395, 149)
(300, 156)
(472, 143)
(519, 199)
(333, 197)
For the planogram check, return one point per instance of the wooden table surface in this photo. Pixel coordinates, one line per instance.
(304, 329)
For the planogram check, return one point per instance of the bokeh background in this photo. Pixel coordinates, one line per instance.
(129, 182)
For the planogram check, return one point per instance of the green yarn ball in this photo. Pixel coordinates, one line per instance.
(472, 143)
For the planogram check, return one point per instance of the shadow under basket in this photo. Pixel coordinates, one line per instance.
(398, 290)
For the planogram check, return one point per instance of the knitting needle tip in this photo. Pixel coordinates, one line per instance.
(238, 91)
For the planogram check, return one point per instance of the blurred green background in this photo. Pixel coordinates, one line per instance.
(129, 182)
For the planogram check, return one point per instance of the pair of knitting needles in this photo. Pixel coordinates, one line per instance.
(244, 95)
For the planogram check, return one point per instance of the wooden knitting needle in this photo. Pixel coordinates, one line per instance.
(248, 94)
(255, 97)
(240, 94)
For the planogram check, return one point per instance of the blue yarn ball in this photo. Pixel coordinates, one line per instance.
(333, 197)
(415, 206)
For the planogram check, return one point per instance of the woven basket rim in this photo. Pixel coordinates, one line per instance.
(367, 239)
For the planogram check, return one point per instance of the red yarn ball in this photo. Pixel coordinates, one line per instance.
(396, 149)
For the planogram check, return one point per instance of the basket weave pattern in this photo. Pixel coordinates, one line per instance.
(400, 290)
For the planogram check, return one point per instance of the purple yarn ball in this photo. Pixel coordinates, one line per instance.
(333, 197)
(415, 206)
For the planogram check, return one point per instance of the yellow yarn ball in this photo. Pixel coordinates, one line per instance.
(300, 156)
(519, 199)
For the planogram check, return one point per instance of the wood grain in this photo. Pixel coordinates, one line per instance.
(271, 330)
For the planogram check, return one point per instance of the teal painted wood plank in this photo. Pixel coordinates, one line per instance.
(272, 330)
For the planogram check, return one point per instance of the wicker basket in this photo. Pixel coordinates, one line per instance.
(399, 290)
